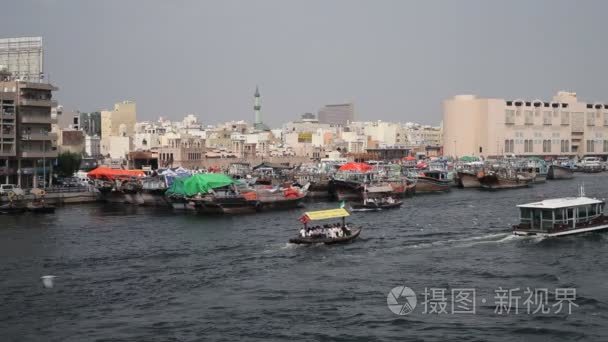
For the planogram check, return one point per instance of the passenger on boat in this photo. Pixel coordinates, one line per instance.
(302, 232)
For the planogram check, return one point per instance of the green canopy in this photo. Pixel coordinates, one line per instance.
(198, 183)
(469, 159)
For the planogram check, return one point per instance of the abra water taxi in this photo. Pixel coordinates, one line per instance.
(561, 216)
(328, 234)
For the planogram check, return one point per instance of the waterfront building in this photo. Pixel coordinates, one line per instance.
(118, 129)
(27, 145)
(563, 126)
(185, 151)
(337, 114)
(92, 146)
(71, 140)
(120, 121)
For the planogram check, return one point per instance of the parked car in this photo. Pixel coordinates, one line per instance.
(5, 189)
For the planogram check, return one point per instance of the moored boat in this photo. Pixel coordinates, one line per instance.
(468, 179)
(337, 233)
(559, 172)
(504, 179)
(561, 216)
(432, 181)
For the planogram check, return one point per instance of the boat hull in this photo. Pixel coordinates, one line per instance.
(523, 232)
(468, 180)
(427, 184)
(559, 172)
(494, 182)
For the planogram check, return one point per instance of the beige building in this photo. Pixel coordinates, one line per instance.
(486, 127)
(185, 151)
(118, 123)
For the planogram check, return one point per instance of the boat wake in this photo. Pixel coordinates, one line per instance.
(469, 241)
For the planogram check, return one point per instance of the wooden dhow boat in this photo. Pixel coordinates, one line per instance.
(432, 181)
(504, 179)
(337, 233)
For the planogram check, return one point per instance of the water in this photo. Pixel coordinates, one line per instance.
(141, 274)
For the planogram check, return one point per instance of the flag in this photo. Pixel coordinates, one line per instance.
(304, 219)
(342, 204)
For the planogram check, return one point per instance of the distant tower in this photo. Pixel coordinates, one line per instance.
(257, 106)
(258, 124)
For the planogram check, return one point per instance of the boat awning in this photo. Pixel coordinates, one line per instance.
(325, 214)
(561, 203)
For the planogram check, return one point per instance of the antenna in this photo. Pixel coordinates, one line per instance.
(581, 191)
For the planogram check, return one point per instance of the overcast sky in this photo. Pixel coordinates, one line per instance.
(396, 60)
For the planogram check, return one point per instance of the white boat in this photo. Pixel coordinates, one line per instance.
(561, 216)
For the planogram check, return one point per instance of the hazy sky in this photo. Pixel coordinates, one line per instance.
(396, 60)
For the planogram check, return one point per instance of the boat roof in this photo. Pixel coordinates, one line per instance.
(557, 203)
(326, 214)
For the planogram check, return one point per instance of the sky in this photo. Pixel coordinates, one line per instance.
(395, 60)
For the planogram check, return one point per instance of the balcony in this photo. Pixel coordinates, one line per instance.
(10, 153)
(44, 119)
(39, 136)
(38, 103)
(38, 154)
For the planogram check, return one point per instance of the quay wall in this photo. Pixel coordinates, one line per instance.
(58, 198)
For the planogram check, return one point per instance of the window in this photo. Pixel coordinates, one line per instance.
(529, 118)
(528, 146)
(509, 146)
(605, 145)
(546, 118)
(565, 146)
(510, 116)
(590, 146)
(605, 119)
(565, 118)
(547, 146)
(590, 119)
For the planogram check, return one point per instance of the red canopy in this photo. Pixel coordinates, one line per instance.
(106, 172)
(409, 158)
(360, 167)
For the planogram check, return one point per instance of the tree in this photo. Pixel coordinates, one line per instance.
(68, 163)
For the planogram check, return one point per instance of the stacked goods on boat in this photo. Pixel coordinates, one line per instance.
(590, 165)
(392, 174)
(211, 193)
(215, 193)
(117, 185)
(504, 178)
(278, 197)
(319, 184)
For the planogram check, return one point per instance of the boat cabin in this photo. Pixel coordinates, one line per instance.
(560, 215)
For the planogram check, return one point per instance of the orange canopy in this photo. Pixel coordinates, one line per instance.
(359, 167)
(409, 158)
(106, 172)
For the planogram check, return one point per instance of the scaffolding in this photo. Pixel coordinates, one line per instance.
(23, 58)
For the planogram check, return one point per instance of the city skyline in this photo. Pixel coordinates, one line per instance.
(396, 61)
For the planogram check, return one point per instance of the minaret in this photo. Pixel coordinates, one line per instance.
(256, 108)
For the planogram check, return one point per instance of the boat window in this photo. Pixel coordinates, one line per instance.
(547, 218)
(536, 218)
(526, 215)
(592, 210)
(559, 215)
